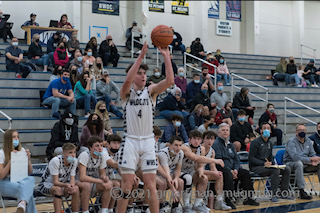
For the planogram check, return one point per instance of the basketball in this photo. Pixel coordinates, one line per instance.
(161, 36)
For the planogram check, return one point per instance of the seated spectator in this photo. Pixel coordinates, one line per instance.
(207, 125)
(3, 27)
(73, 44)
(56, 73)
(88, 60)
(63, 23)
(64, 131)
(92, 127)
(218, 99)
(109, 52)
(300, 72)
(165, 93)
(189, 58)
(137, 31)
(77, 61)
(60, 93)
(212, 60)
(251, 137)
(83, 93)
(35, 54)
(177, 41)
(175, 128)
(172, 105)
(93, 80)
(14, 58)
(260, 160)
(280, 72)
(104, 88)
(315, 138)
(60, 55)
(292, 72)
(174, 67)
(197, 49)
(194, 119)
(73, 75)
(241, 101)
(31, 22)
(22, 190)
(223, 72)
(218, 54)
(225, 115)
(310, 73)
(97, 68)
(156, 77)
(205, 78)
(300, 157)
(202, 97)
(181, 81)
(193, 87)
(52, 43)
(101, 110)
(93, 45)
(271, 118)
(239, 131)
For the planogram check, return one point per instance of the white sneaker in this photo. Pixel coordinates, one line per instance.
(315, 85)
(87, 115)
(45, 71)
(201, 208)
(176, 210)
(221, 205)
(188, 209)
(21, 207)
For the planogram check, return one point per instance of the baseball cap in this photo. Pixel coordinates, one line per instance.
(311, 61)
(105, 72)
(32, 14)
(209, 52)
(134, 22)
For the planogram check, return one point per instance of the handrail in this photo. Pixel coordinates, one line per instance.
(300, 116)
(251, 82)
(9, 120)
(185, 54)
(170, 48)
(303, 53)
(134, 40)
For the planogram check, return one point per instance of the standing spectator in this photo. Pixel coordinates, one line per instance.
(205, 78)
(109, 52)
(73, 44)
(193, 87)
(63, 23)
(292, 72)
(14, 58)
(59, 93)
(207, 125)
(239, 132)
(197, 49)
(174, 67)
(280, 73)
(177, 41)
(311, 74)
(77, 61)
(88, 60)
(175, 128)
(316, 139)
(3, 27)
(35, 54)
(93, 44)
(57, 72)
(218, 99)
(218, 54)
(64, 131)
(31, 22)
(53, 42)
(83, 93)
(212, 60)
(101, 110)
(223, 72)
(202, 97)
(60, 55)
(241, 101)
(97, 69)
(136, 30)
(156, 77)
(181, 81)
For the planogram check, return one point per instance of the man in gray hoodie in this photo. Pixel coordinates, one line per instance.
(300, 156)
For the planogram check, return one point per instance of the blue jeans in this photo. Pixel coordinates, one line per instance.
(296, 78)
(111, 108)
(226, 78)
(168, 113)
(180, 47)
(85, 102)
(22, 190)
(44, 60)
(56, 102)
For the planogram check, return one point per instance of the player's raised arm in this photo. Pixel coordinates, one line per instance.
(125, 89)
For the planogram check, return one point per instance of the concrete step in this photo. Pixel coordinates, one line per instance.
(13, 82)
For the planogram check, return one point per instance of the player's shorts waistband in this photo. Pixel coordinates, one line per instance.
(140, 137)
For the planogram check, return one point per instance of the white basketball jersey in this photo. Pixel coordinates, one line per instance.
(171, 161)
(210, 153)
(138, 113)
(187, 164)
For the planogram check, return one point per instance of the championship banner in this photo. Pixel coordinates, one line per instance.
(180, 7)
(233, 10)
(213, 11)
(156, 6)
(110, 7)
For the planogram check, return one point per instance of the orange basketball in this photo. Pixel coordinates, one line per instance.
(161, 36)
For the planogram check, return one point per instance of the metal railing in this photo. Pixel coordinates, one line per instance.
(251, 82)
(300, 116)
(134, 33)
(303, 53)
(203, 61)
(9, 120)
(158, 58)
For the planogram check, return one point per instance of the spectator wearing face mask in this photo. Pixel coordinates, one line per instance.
(52, 43)
(242, 101)
(35, 54)
(165, 93)
(102, 111)
(88, 60)
(73, 75)
(218, 54)
(311, 74)
(202, 97)
(225, 115)
(73, 43)
(195, 119)
(212, 60)
(174, 67)
(64, 131)
(93, 44)
(77, 61)
(181, 81)
(97, 69)
(56, 73)
(60, 55)
(207, 125)
(175, 128)
(205, 78)
(156, 77)
(193, 87)
(223, 72)
(292, 72)
(109, 52)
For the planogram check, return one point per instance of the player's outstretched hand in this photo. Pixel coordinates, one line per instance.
(144, 50)
(164, 51)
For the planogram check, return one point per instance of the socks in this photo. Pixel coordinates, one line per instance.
(219, 197)
(197, 201)
(186, 197)
(104, 210)
(85, 212)
(109, 211)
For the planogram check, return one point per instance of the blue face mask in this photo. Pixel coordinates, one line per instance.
(157, 74)
(204, 91)
(89, 54)
(15, 143)
(79, 58)
(65, 78)
(196, 81)
(97, 153)
(221, 61)
(181, 74)
(266, 133)
(220, 88)
(242, 119)
(177, 123)
(70, 159)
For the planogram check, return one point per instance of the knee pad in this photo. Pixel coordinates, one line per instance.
(187, 178)
(58, 196)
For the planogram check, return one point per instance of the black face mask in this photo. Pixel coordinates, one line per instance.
(59, 72)
(95, 122)
(205, 74)
(291, 61)
(99, 65)
(61, 47)
(73, 71)
(102, 110)
(37, 40)
(319, 132)
(210, 124)
(194, 147)
(114, 150)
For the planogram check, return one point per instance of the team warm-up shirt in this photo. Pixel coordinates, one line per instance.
(166, 159)
(93, 165)
(187, 164)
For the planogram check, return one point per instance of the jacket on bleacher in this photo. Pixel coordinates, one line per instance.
(316, 142)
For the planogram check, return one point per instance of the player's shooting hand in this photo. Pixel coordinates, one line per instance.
(144, 50)
(164, 51)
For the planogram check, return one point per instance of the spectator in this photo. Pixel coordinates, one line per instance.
(174, 67)
(14, 58)
(218, 54)
(97, 68)
(172, 105)
(156, 77)
(241, 101)
(223, 72)
(175, 128)
(52, 43)
(59, 93)
(207, 125)
(93, 45)
(225, 115)
(181, 81)
(177, 42)
(101, 110)
(251, 137)
(93, 126)
(205, 78)
(104, 88)
(202, 97)
(292, 72)
(260, 160)
(3, 27)
(73, 75)
(83, 93)
(197, 49)
(280, 72)
(73, 43)
(64, 131)
(88, 60)
(239, 131)
(60, 55)
(300, 73)
(31, 22)
(93, 80)
(109, 52)
(311, 73)
(212, 60)
(193, 87)
(300, 157)
(77, 61)
(271, 118)
(22, 190)
(194, 119)
(57, 72)
(315, 138)
(218, 99)
(165, 93)
(136, 30)
(189, 58)
(63, 23)
(35, 54)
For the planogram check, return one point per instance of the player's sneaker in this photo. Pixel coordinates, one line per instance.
(176, 210)
(221, 205)
(188, 209)
(201, 208)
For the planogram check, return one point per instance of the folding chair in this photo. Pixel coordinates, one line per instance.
(3, 199)
(206, 197)
(265, 182)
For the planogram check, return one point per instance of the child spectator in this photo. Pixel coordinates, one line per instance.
(300, 73)
(251, 136)
(175, 128)
(223, 72)
(212, 60)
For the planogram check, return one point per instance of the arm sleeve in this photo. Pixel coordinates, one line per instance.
(105, 157)
(217, 150)
(25, 24)
(55, 57)
(83, 159)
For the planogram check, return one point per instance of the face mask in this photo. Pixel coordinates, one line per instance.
(204, 74)
(178, 94)
(74, 71)
(204, 91)
(200, 111)
(79, 58)
(188, 51)
(173, 152)
(221, 61)
(192, 146)
(241, 119)
(37, 40)
(302, 134)
(102, 110)
(74, 36)
(218, 53)
(210, 124)
(291, 61)
(177, 123)
(181, 74)
(220, 88)
(157, 74)
(15, 44)
(15, 143)
(99, 65)
(61, 47)
(266, 133)
(211, 56)
(271, 110)
(69, 121)
(97, 153)
(319, 132)
(70, 159)
(114, 150)
(89, 53)
(65, 78)
(196, 81)
(95, 122)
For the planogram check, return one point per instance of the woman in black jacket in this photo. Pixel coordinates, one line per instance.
(35, 54)
(241, 101)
